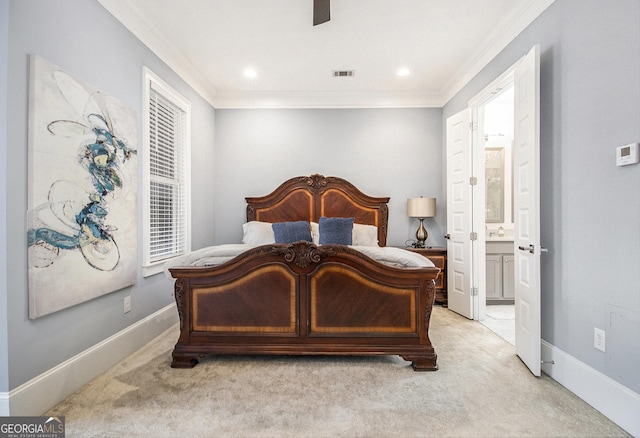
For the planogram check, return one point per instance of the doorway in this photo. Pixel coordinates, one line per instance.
(495, 132)
(466, 208)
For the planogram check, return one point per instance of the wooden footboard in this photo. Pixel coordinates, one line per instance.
(304, 299)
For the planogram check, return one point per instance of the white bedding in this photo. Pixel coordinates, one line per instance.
(216, 255)
(398, 257)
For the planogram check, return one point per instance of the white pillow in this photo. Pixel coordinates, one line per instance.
(315, 233)
(257, 233)
(362, 235)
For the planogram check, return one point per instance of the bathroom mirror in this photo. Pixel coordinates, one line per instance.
(494, 185)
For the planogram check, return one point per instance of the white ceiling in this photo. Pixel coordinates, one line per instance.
(210, 43)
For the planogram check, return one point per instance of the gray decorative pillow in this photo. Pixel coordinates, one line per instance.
(336, 230)
(289, 232)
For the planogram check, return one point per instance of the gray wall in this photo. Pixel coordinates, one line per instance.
(87, 42)
(384, 152)
(4, 55)
(590, 104)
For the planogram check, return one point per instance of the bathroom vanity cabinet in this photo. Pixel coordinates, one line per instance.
(500, 272)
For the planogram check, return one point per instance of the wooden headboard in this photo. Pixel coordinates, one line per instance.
(306, 198)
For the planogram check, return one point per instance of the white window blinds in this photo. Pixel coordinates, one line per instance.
(167, 188)
(166, 165)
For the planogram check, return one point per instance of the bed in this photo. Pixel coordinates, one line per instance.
(306, 297)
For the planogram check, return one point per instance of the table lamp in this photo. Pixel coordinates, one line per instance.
(421, 208)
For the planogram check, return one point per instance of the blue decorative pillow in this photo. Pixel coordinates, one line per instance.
(289, 232)
(336, 230)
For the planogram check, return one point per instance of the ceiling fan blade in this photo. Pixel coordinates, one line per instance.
(321, 11)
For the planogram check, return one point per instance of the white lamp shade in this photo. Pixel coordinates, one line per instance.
(421, 207)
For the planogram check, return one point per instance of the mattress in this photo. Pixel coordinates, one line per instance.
(219, 254)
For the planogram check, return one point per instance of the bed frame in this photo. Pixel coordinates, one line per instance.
(303, 299)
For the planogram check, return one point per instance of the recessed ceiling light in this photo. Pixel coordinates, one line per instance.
(403, 72)
(249, 73)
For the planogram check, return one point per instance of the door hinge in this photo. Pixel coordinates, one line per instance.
(473, 180)
(473, 236)
(474, 291)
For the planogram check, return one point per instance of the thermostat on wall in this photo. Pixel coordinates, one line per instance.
(629, 154)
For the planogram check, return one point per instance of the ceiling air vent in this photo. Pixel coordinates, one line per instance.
(343, 73)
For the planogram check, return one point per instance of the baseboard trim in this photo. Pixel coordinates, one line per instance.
(48, 389)
(617, 402)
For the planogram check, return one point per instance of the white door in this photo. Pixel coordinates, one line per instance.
(527, 209)
(459, 218)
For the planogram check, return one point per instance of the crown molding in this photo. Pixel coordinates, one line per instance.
(137, 23)
(326, 99)
(511, 27)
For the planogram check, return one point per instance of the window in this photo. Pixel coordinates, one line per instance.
(167, 131)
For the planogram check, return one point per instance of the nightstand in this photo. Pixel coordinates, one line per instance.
(438, 256)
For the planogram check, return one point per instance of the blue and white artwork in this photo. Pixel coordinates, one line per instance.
(82, 234)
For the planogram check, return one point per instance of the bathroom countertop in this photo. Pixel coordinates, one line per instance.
(499, 238)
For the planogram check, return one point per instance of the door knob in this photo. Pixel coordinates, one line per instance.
(530, 249)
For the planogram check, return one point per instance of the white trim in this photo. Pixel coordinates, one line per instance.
(495, 43)
(617, 402)
(482, 98)
(327, 99)
(51, 387)
(152, 269)
(149, 78)
(167, 90)
(489, 92)
(136, 21)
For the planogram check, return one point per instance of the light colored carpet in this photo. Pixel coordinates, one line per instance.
(481, 390)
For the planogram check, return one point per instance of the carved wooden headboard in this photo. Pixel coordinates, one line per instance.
(306, 198)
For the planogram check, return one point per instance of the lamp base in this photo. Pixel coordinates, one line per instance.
(421, 234)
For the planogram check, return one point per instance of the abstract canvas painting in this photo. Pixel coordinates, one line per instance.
(81, 230)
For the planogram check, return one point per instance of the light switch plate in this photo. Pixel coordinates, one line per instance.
(599, 342)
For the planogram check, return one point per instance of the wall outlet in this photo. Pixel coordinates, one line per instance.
(127, 304)
(598, 339)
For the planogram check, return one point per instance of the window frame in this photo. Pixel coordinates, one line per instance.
(150, 80)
